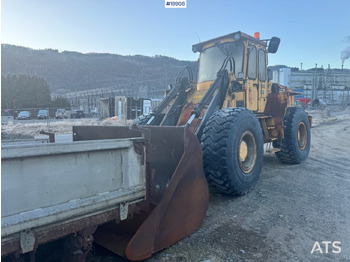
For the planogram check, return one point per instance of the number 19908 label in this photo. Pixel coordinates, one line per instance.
(175, 4)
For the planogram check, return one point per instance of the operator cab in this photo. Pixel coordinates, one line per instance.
(237, 45)
(248, 56)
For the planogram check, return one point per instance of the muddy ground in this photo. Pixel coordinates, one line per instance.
(290, 208)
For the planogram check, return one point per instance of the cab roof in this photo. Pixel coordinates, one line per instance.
(237, 36)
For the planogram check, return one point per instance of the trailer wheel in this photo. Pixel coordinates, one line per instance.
(232, 145)
(142, 120)
(295, 146)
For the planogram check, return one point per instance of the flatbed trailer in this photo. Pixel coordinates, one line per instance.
(53, 190)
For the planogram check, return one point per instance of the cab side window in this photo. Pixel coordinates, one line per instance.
(252, 62)
(262, 65)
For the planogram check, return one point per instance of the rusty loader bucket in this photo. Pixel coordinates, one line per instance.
(177, 190)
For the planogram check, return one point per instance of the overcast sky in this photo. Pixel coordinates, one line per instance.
(311, 31)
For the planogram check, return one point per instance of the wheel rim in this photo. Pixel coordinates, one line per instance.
(302, 136)
(247, 152)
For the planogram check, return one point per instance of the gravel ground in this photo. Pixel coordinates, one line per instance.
(290, 208)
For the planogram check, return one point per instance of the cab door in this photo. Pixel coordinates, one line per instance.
(263, 79)
(252, 85)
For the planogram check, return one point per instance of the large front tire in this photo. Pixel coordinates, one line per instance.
(295, 146)
(232, 145)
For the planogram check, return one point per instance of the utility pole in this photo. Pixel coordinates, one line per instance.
(314, 85)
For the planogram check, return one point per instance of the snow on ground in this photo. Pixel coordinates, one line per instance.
(28, 129)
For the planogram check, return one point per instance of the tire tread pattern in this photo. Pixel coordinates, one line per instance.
(215, 152)
(288, 153)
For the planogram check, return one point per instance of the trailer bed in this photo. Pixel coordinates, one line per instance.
(52, 190)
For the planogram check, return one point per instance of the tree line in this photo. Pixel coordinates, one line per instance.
(23, 91)
(72, 71)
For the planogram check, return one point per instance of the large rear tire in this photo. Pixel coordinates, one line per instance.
(232, 145)
(295, 146)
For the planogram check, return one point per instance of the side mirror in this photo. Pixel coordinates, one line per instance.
(273, 45)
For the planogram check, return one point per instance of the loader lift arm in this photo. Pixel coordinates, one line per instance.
(176, 99)
(210, 101)
(177, 95)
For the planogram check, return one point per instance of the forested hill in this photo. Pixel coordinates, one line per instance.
(72, 71)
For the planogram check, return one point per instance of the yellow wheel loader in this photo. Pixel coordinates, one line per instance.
(234, 109)
(213, 131)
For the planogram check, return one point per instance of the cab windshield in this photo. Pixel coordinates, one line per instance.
(212, 59)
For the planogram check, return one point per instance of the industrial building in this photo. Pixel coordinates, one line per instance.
(332, 86)
(105, 103)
